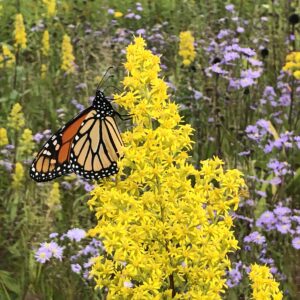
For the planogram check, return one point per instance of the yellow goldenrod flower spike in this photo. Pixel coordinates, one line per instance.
(163, 234)
(20, 33)
(26, 145)
(263, 284)
(53, 201)
(3, 137)
(16, 118)
(45, 43)
(18, 176)
(7, 58)
(68, 59)
(44, 69)
(51, 7)
(292, 64)
(186, 47)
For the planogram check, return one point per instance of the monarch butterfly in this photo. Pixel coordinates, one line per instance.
(89, 145)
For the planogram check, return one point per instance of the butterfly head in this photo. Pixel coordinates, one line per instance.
(102, 104)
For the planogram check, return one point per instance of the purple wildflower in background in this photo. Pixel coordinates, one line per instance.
(281, 210)
(267, 220)
(76, 268)
(53, 235)
(296, 243)
(255, 237)
(283, 228)
(38, 137)
(230, 56)
(279, 168)
(42, 255)
(76, 234)
(234, 276)
(229, 7)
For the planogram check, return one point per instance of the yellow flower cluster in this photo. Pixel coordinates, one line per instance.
(118, 14)
(165, 226)
(18, 176)
(263, 284)
(44, 69)
(293, 64)
(26, 143)
(51, 7)
(7, 58)
(186, 47)
(68, 59)
(3, 137)
(45, 43)
(20, 33)
(16, 118)
(53, 201)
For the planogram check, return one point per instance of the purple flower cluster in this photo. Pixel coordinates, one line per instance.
(282, 219)
(46, 251)
(81, 253)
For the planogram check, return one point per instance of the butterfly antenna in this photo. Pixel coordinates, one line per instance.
(99, 84)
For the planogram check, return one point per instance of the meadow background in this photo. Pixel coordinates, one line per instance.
(236, 84)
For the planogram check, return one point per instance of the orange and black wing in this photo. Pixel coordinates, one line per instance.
(53, 160)
(96, 147)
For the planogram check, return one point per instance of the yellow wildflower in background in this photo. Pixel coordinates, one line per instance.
(53, 201)
(20, 33)
(26, 145)
(16, 118)
(45, 43)
(7, 58)
(293, 64)
(263, 284)
(3, 137)
(51, 7)
(186, 47)
(118, 14)
(44, 69)
(18, 176)
(165, 226)
(68, 59)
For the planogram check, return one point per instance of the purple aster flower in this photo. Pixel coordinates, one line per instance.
(229, 56)
(38, 137)
(197, 95)
(296, 243)
(216, 68)
(266, 220)
(141, 31)
(76, 234)
(281, 210)
(110, 11)
(283, 228)
(53, 235)
(76, 268)
(229, 7)
(297, 141)
(56, 250)
(245, 82)
(245, 153)
(248, 51)
(254, 62)
(42, 255)
(223, 33)
(250, 73)
(255, 237)
(240, 29)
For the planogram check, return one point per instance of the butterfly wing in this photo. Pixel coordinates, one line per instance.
(96, 147)
(53, 160)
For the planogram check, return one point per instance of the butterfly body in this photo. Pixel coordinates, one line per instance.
(89, 145)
